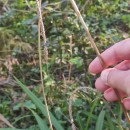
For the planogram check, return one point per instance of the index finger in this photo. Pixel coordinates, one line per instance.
(118, 52)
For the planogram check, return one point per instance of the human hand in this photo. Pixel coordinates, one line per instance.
(117, 77)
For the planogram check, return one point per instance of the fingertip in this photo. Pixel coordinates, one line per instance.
(110, 95)
(105, 74)
(126, 102)
(100, 86)
(95, 67)
(91, 72)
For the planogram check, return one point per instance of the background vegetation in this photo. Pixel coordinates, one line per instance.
(69, 58)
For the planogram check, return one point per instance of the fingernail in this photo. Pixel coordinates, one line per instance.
(109, 95)
(126, 102)
(109, 90)
(91, 73)
(104, 76)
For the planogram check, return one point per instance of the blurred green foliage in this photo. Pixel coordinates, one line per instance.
(108, 21)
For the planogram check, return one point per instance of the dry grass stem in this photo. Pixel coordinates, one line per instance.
(97, 51)
(71, 52)
(2, 118)
(65, 84)
(87, 31)
(41, 27)
(42, 31)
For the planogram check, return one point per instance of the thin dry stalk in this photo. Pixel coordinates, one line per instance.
(97, 52)
(65, 84)
(71, 43)
(2, 118)
(42, 31)
(41, 27)
(70, 65)
(87, 31)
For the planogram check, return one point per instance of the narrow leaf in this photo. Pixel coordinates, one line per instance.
(40, 105)
(41, 123)
(100, 121)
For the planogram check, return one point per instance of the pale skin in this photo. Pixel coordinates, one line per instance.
(117, 77)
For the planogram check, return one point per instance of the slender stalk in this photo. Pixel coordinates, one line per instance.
(87, 31)
(97, 51)
(70, 65)
(41, 29)
(3, 119)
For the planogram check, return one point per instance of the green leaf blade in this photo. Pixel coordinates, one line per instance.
(99, 124)
(41, 123)
(40, 105)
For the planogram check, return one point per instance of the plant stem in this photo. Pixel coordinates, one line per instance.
(70, 65)
(97, 52)
(41, 27)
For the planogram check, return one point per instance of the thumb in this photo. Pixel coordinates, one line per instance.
(117, 79)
